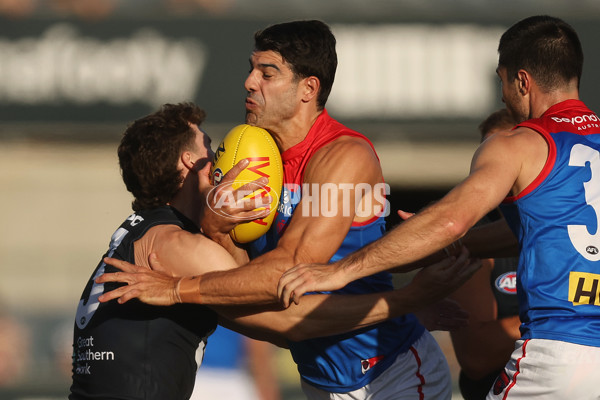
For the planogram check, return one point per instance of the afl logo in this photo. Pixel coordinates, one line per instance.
(507, 283)
(591, 250)
(217, 176)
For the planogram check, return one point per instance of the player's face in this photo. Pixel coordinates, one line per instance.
(272, 91)
(511, 96)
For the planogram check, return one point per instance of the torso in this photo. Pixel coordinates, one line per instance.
(556, 218)
(344, 362)
(136, 351)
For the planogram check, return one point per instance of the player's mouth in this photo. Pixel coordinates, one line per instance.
(250, 104)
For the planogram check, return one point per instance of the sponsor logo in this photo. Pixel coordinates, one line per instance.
(369, 363)
(135, 219)
(85, 353)
(219, 152)
(578, 120)
(63, 65)
(217, 176)
(584, 288)
(507, 282)
(230, 196)
(290, 197)
(591, 250)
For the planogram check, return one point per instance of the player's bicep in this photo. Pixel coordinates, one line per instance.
(497, 164)
(188, 254)
(313, 239)
(339, 184)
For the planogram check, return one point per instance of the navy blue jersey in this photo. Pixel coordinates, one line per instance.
(134, 351)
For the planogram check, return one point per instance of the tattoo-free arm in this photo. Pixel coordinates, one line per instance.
(495, 171)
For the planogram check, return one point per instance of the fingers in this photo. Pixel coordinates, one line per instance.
(253, 186)
(122, 265)
(204, 176)
(123, 294)
(285, 287)
(235, 170)
(248, 197)
(405, 215)
(294, 283)
(122, 277)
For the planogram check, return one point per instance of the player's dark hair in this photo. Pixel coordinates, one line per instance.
(546, 47)
(309, 48)
(149, 153)
(499, 119)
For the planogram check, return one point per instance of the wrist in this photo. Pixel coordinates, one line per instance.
(177, 296)
(404, 300)
(188, 290)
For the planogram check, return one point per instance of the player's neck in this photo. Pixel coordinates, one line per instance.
(543, 101)
(188, 202)
(293, 131)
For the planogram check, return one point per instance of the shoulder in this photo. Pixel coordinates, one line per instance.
(346, 154)
(512, 143)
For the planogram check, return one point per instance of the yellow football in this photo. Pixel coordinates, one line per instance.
(257, 145)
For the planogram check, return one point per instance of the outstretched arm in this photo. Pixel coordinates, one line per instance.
(318, 315)
(309, 237)
(497, 169)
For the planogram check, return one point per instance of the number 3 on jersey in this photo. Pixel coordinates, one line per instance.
(586, 244)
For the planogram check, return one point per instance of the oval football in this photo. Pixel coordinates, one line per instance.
(257, 145)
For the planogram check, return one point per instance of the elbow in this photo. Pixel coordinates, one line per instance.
(454, 228)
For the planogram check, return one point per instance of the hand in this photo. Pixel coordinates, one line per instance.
(436, 281)
(308, 278)
(445, 315)
(227, 207)
(149, 286)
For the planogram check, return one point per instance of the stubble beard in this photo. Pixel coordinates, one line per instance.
(251, 119)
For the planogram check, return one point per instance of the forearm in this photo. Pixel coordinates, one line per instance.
(492, 240)
(254, 283)
(422, 263)
(326, 315)
(410, 245)
(253, 333)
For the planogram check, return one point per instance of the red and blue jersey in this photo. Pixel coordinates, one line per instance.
(556, 219)
(349, 361)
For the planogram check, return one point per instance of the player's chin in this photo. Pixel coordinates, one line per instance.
(251, 118)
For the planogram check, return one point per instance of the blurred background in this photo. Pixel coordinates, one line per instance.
(415, 76)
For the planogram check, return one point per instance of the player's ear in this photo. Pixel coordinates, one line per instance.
(311, 88)
(523, 82)
(188, 160)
